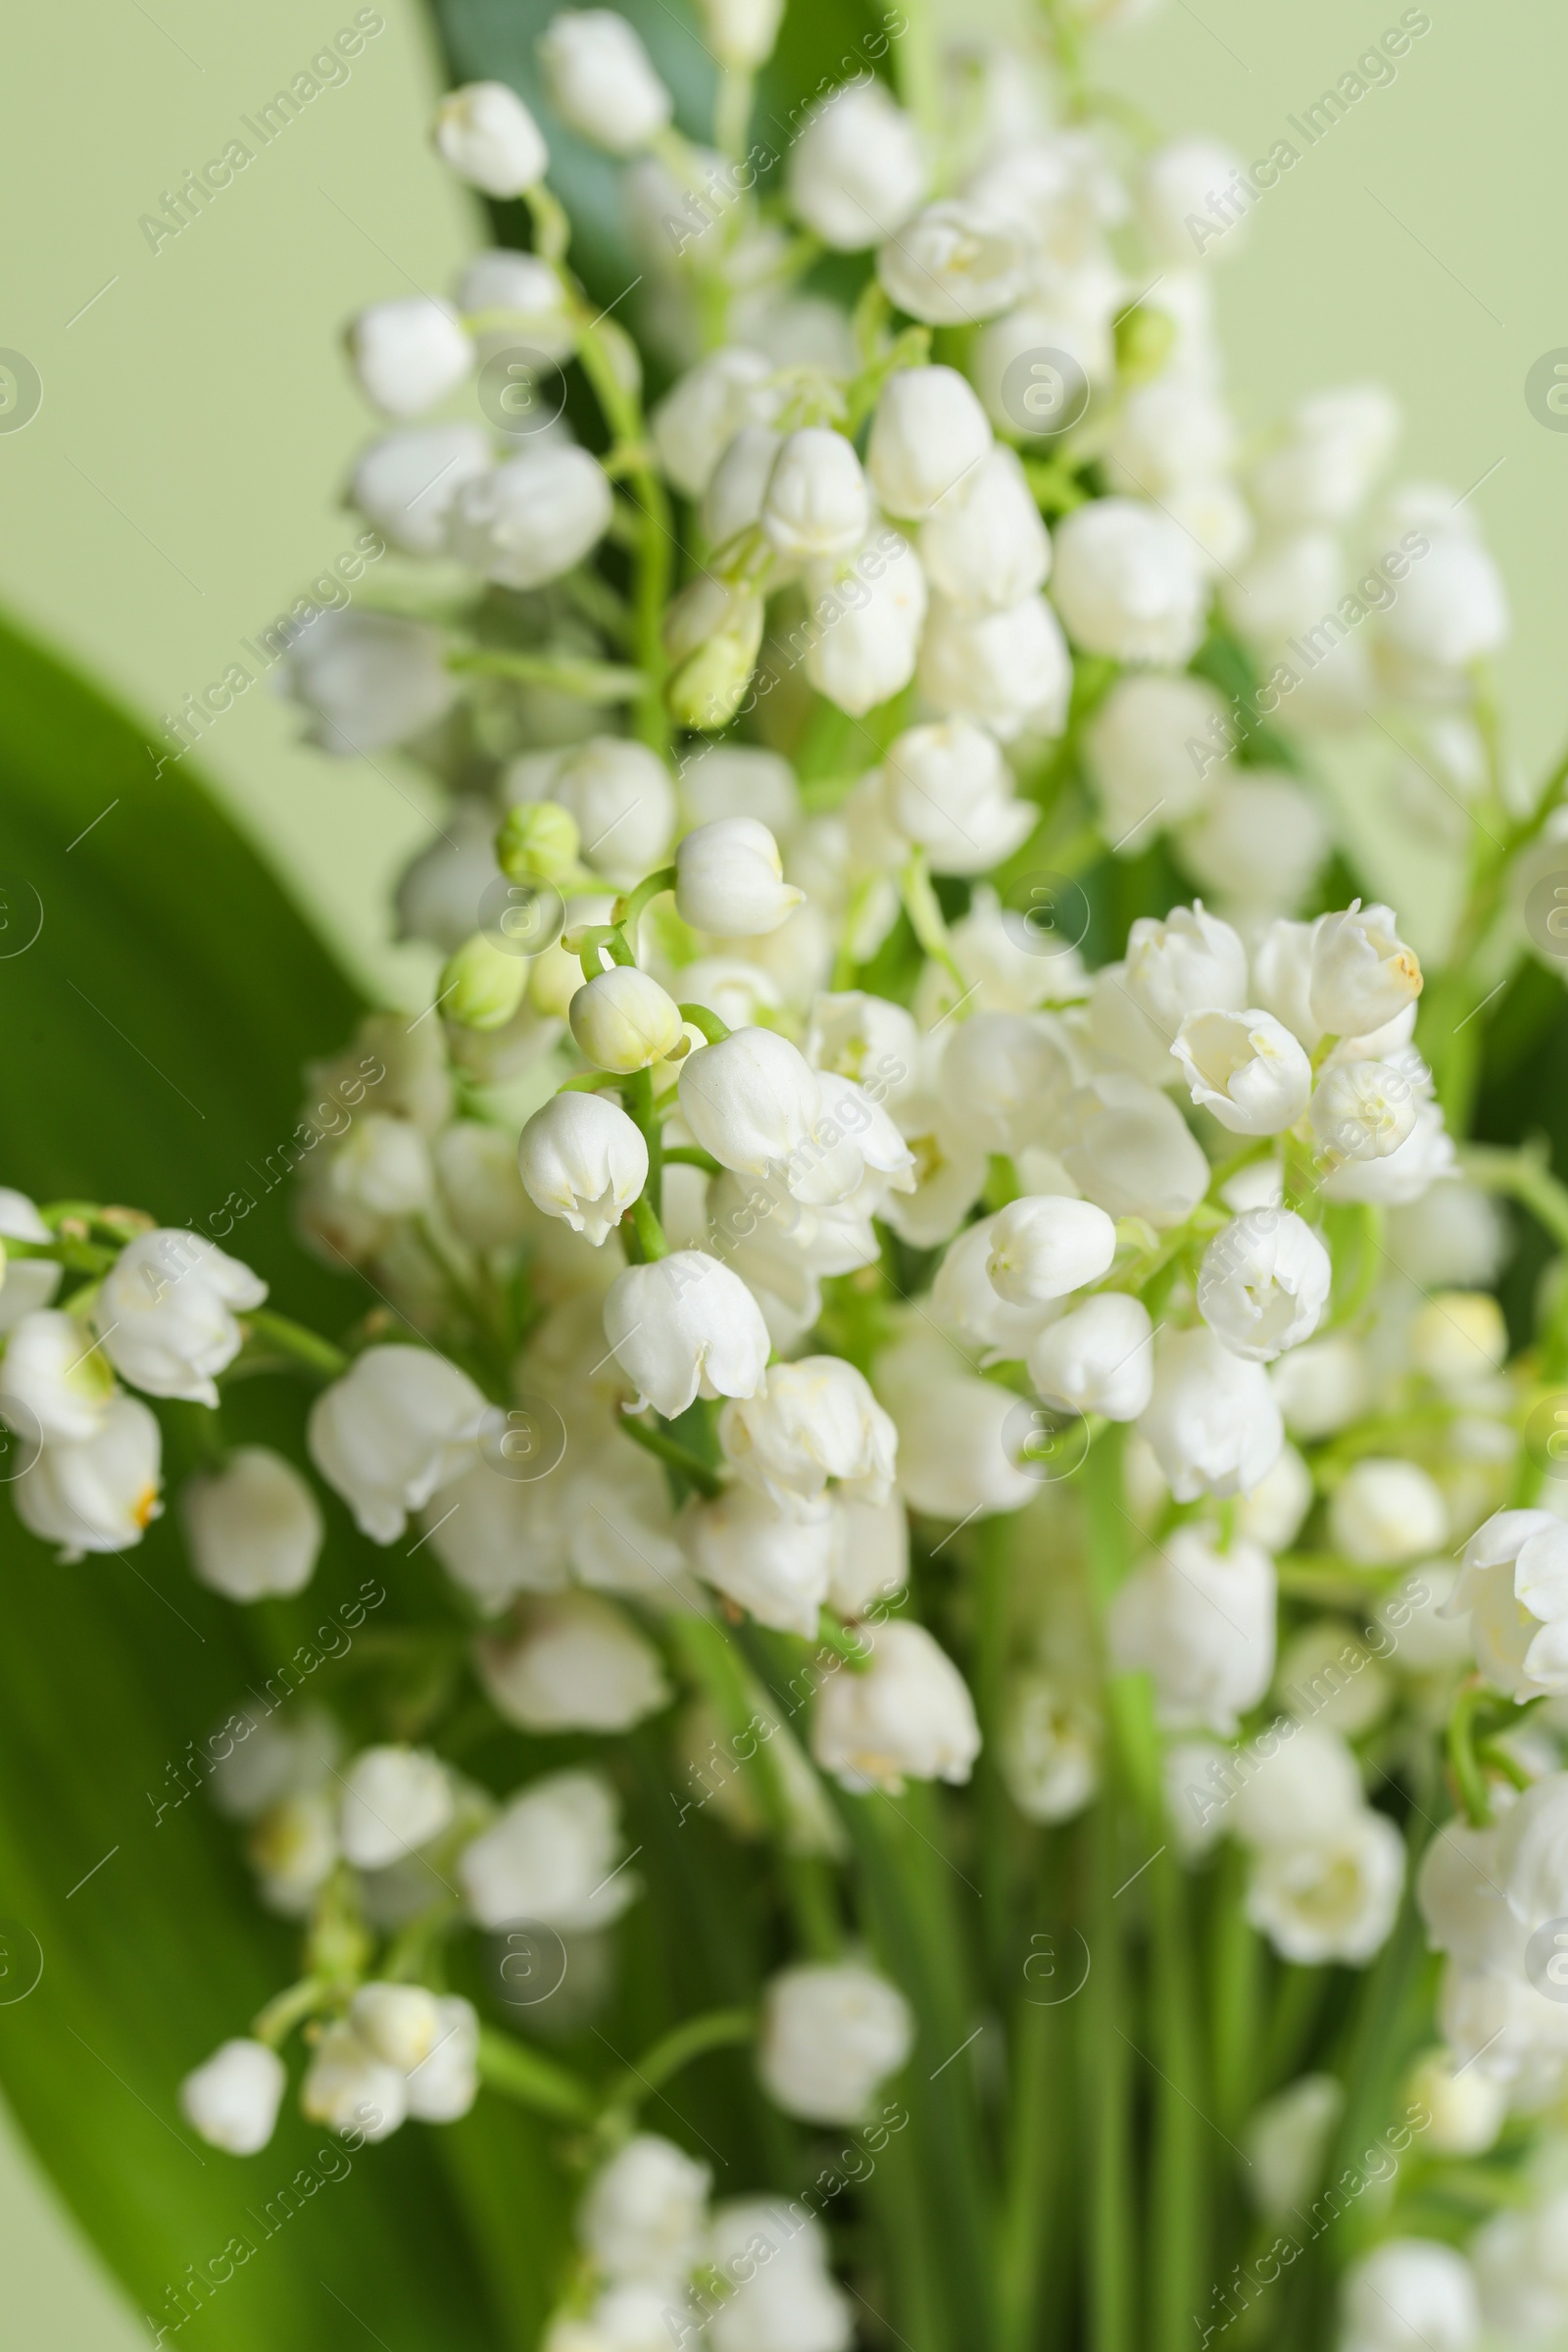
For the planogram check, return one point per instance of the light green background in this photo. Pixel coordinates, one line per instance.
(179, 485)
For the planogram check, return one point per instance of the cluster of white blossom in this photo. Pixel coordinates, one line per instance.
(766, 1192)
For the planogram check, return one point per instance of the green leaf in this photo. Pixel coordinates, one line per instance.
(153, 1032)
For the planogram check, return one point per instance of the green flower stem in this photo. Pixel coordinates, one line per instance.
(852, 1647)
(994, 1568)
(1526, 1175)
(1179, 2216)
(1039, 2123)
(719, 2030)
(566, 674)
(1469, 1780)
(1235, 1971)
(712, 1027)
(290, 2008)
(654, 539)
(301, 1347)
(655, 1439)
(518, 2072)
(925, 915)
(691, 1156)
(732, 112)
(637, 1097)
(915, 67)
(1107, 2099)
(628, 911)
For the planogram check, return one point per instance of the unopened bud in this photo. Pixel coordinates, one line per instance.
(482, 984)
(713, 632)
(1144, 337)
(539, 841)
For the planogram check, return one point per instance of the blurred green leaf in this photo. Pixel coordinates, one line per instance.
(153, 1032)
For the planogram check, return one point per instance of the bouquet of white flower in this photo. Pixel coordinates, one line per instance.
(996, 1551)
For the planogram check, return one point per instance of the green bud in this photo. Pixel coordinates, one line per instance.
(1144, 338)
(539, 841)
(482, 984)
(712, 633)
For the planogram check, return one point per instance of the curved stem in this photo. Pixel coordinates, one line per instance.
(721, 2029)
(712, 1028)
(302, 1348)
(518, 2072)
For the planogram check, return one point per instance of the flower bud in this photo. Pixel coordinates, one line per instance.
(928, 435)
(741, 33)
(621, 796)
(538, 840)
(724, 622)
(706, 408)
(908, 1712)
(1452, 610)
(551, 1858)
(867, 625)
(832, 2033)
(1006, 669)
(1362, 973)
(164, 1313)
(958, 1447)
(954, 264)
(857, 170)
(1363, 1110)
(1257, 843)
(394, 1800)
(517, 297)
(732, 499)
(579, 1664)
(1099, 1359)
(401, 1423)
(405, 484)
(949, 790)
(232, 2099)
(489, 138)
(644, 2214)
(1213, 1420)
(1468, 2107)
(1384, 1512)
(730, 879)
(984, 545)
(56, 1383)
(623, 1020)
(444, 2085)
(776, 1564)
(409, 354)
(1459, 1339)
(1189, 963)
(1128, 582)
(1412, 2294)
(817, 505)
(532, 519)
(368, 679)
(350, 2089)
(1246, 1068)
(1128, 1148)
(601, 81)
(399, 2023)
(753, 1100)
(683, 1327)
(1149, 747)
(584, 1160)
(1043, 1245)
(482, 984)
(253, 1527)
(1264, 1283)
(1200, 1622)
(810, 1421)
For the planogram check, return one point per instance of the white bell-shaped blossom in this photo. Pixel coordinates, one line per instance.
(1263, 1283)
(1273, 1513)
(1257, 842)
(601, 81)
(753, 1100)
(953, 265)
(351, 2090)
(811, 1421)
(960, 1439)
(948, 791)
(1100, 1358)
(817, 505)
(785, 2297)
(550, 1858)
(777, 1564)
(399, 2023)
(399, 1424)
(906, 1713)
(1452, 610)
(1411, 2294)
(1384, 1510)
(410, 353)
(165, 1313)
(1513, 1583)
(706, 408)
(871, 1561)
(1179, 183)
(1532, 1852)
(56, 1384)
(831, 2033)
(1127, 1147)
(383, 1167)
(983, 544)
(1006, 669)
(1468, 2108)
(233, 2097)
(517, 297)
(1128, 582)
(253, 1527)
(617, 793)
(1149, 748)
(1189, 962)
(929, 434)
(27, 1284)
(532, 519)
(96, 1494)
(1296, 1785)
(736, 482)
(488, 137)
(1044, 1247)
(393, 1800)
(578, 1665)
(366, 680)
(1362, 973)
(1200, 1622)
(1168, 433)
(1363, 1110)
(730, 879)
(1051, 1746)
(1006, 1077)
(1337, 443)
(406, 483)
(1403, 1174)
(857, 170)
(446, 2081)
(1287, 2142)
(865, 625)
(644, 2214)
(1245, 1067)
(1458, 1339)
(685, 1327)
(1331, 1901)
(964, 1299)
(741, 33)
(622, 1020)
(583, 1160)
(1212, 1419)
